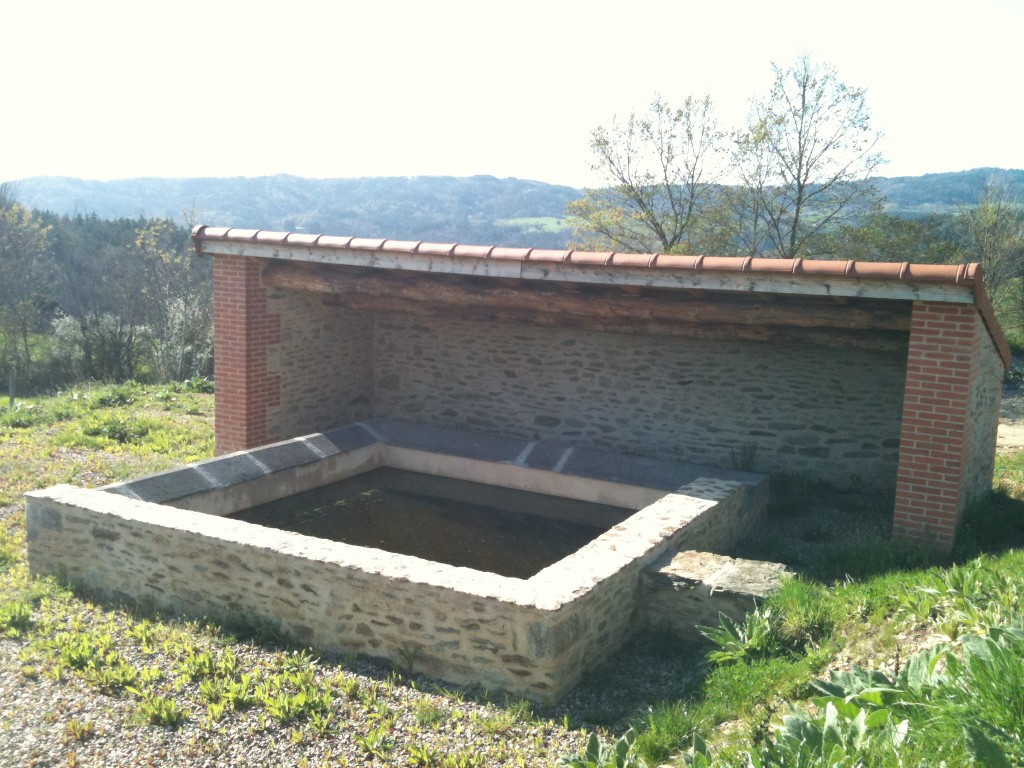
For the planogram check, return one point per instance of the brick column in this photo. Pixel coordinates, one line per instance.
(942, 362)
(243, 330)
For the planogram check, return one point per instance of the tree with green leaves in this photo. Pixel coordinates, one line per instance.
(805, 161)
(661, 171)
(994, 237)
(22, 303)
(179, 301)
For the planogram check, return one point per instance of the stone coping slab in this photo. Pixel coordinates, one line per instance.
(245, 466)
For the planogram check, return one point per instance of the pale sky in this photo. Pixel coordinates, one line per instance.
(107, 90)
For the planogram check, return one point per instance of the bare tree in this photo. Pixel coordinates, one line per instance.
(662, 170)
(806, 159)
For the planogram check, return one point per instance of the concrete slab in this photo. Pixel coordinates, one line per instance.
(235, 468)
(293, 453)
(637, 470)
(165, 486)
(340, 439)
(453, 442)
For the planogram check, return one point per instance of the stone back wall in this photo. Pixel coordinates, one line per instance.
(986, 394)
(833, 413)
(324, 362)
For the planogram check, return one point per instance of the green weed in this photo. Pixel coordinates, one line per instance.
(423, 755)
(377, 743)
(160, 710)
(599, 754)
(752, 638)
(15, 619)
(80, 730)
(427, 712)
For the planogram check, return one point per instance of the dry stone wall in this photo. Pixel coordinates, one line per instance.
(986, 392)
(831, 413)
(324, 364)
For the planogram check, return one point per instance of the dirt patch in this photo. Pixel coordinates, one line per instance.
(1010, 436)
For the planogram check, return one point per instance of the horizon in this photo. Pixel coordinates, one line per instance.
(118, 90)
(433, 176)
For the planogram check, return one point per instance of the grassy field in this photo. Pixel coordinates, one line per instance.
(882, 656)
(537, 223)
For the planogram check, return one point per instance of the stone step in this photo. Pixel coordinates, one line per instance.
(684, 590)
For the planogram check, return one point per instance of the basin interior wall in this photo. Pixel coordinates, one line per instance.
(166, 541)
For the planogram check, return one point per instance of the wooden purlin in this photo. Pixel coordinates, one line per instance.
(585, 303)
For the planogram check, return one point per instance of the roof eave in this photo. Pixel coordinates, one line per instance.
(910, 282)
(961, 284)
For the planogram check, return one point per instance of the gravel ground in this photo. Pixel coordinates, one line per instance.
(37, 713)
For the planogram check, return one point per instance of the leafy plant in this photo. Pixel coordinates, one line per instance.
(598, 754)
(111, 675)
(240, 694)
(462, 759)
(116, 397)
(80, 730)
(323, 722)
(423, 755)
(160, 710)
(427, 712)
(196, 665)
(988, 685)
(117, 428)
(406, 660)
(754, 637)
(298, 660)
(376, 743)
(15, 618)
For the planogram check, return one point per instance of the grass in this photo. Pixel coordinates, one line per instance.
(879, 653)
(96, 435)
(537, 223)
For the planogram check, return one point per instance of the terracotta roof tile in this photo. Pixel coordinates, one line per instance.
(436, 249)
(262, 236)
(242, 234)
(330, 241)
(540, 254)
(401, 245)
(302, 238)
(589, 258)
(510, 254)
(472, 251)
(366, 243)
(214, 233)
(631, 259)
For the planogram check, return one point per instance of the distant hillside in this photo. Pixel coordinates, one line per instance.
(911, 196)
(478, 209)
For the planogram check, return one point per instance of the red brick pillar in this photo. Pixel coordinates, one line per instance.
(243, 330)
(942, 362)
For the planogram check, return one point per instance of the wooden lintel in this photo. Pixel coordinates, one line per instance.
(552, 318)
(585, 303)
